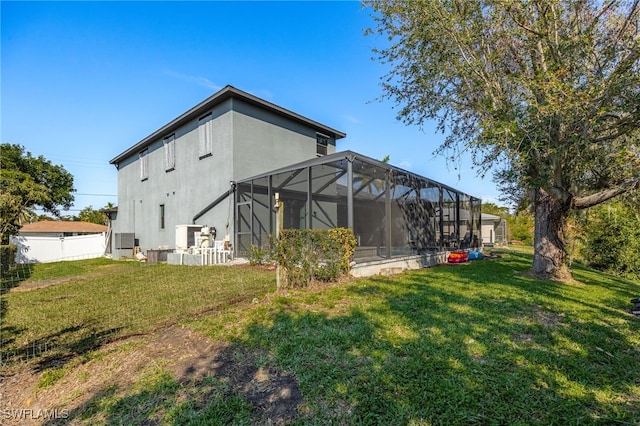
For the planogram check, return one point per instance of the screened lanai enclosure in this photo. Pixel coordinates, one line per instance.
(392, 212)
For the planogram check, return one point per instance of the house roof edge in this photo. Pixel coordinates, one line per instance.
(218, 97)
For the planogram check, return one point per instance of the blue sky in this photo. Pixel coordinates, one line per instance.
(82, 82)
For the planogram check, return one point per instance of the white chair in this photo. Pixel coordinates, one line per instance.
(222, 254)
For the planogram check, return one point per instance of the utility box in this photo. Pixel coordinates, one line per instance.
(185, 236)
(159, 255)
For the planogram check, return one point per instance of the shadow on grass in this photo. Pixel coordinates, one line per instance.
(15, 275)
(231, 385)
(57, 349)
(480, 343)
(164, 401)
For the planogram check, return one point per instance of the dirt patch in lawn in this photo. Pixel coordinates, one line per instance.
(99, 271)
(118, 369)
(28, 286)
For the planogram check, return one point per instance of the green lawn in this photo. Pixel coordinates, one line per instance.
(476, 343)
(104, 300)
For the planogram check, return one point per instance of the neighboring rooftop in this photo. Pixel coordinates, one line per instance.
(62, 226)
(217, 98)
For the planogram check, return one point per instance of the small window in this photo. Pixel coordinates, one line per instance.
(205, 132)
(170, 152)
(322, 142)
(144, 164)
(161, 216)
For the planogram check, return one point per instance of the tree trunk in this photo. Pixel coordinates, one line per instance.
(549, 255)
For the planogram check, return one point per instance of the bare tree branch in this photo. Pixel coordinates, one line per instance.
(602, 196)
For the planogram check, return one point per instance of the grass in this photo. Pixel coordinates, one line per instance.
(53, 270)
(479, 343)
(52, 325)
(157, 396)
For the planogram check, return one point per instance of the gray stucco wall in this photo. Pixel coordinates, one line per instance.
(246, 141)
(265, 141)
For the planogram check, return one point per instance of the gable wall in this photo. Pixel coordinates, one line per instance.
(265, 141)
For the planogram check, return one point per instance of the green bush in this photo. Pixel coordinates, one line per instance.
(7, 258)
(521, 228)
(258, 255)
(611, 240)
(9, 273)
(327, 272)
(323, 254)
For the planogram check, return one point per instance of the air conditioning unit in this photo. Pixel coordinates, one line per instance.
(185, 236)
(124, 240)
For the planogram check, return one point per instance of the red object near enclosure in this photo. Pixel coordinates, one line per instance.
(458, 257)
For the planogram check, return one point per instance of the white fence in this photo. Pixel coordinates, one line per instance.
(53, 249)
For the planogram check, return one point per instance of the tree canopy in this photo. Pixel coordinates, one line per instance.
(492, 208)
(27, 182)
(89, 214)
(550, 89)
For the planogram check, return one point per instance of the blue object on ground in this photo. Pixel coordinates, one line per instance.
(475, 255)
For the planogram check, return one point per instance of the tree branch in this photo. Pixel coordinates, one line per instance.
(607, 194)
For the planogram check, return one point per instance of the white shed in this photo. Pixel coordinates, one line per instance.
(494, 229)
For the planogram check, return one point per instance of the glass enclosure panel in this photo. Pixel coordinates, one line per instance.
(465, 221)
(369, 208)
(243, 244)
(430, 210)
(243, 192)
(261, 212)
(243, 203)
(449, 220)
(329, 195)
(476, 208)
(244, 218)
(243, 226)
(293, 189)
(405, 215)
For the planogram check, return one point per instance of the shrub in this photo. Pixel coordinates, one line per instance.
(612, 240)
(7, 258)
(258, 255)
(8, 271)
(323, 254)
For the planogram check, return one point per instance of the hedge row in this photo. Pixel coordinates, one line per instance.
(307, 254)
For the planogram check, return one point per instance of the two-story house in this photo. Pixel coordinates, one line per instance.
(183, 173)
(223, 163)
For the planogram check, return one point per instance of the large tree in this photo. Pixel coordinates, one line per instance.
(27, 182)
(551, 88)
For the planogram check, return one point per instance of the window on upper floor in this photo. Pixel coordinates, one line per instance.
(205, 133)
(322, 141)
(170, 152)
(144, 164)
